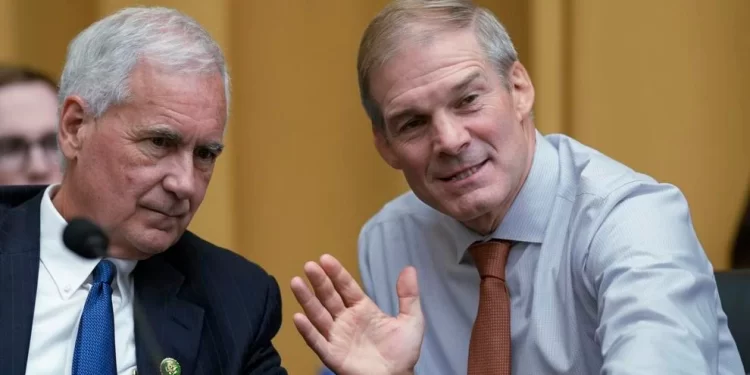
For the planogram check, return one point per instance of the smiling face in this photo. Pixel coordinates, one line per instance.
(142, 169)
(462, 138)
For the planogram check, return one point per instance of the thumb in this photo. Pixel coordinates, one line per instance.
(408, 293)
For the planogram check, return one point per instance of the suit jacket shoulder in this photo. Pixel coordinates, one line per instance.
(14, 196)
(231, 307)
(19, 270)
(202, 259)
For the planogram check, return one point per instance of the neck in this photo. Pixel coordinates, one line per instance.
(62, 202)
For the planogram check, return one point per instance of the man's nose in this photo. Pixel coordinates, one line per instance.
(180, 178)
(450, 135)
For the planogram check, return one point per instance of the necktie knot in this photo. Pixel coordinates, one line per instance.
(104, 272)
(490, 258)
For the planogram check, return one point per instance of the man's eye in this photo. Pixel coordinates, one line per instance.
(13, 145)
(413, 123)
(49, 142)
(468, 100)
(205, 154)
(159, 141)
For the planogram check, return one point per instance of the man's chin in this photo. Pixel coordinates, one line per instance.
(464, 206)
(469, 210)
(465, 215)
(154, 241)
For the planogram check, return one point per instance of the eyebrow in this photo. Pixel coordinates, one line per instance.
(457, 88)
(214, 147)
(465, 83)
(175, 137)
(162, 131)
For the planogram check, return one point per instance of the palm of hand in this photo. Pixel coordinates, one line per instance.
(349, 333)
(364, 340)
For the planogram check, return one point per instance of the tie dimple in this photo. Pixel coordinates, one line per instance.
(104, 272)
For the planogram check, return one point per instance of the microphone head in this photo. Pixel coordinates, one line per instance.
(85, 238)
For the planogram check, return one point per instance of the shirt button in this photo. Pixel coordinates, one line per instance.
(66, 288)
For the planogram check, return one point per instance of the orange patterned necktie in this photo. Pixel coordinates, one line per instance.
(489, 348)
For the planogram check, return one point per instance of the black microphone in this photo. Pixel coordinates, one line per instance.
(85, 238)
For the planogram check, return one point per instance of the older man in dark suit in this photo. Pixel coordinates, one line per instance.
(144, 102)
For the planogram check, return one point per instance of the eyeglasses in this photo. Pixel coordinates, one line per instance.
(15, 151)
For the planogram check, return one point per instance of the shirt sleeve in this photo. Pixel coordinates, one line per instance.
(657, 303)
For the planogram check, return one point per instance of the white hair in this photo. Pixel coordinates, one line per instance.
(101, 58)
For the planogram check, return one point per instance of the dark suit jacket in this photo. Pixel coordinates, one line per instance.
(208, 308)
(741, 250)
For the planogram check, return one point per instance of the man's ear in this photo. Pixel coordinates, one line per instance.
(522, 90)
(385, 148)
(71, 131)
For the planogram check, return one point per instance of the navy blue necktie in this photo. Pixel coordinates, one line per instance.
(94, 353)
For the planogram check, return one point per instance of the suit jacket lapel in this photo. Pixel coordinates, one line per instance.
(166, 323)
(19, 272)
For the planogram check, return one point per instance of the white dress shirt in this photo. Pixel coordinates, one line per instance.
(62, 289)
(607, 275)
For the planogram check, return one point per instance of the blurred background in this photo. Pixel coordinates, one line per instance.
(661, 86)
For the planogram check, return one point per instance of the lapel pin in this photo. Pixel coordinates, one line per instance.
(170, 366)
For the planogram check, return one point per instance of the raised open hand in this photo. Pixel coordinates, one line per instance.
(349, 333)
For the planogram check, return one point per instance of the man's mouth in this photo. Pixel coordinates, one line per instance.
(464, 174)
(168, 214)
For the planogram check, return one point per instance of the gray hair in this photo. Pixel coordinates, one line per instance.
(101, 58)
(408, 19)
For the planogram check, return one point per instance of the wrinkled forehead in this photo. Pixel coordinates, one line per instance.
(153, 79)
(426, 60)
(201, 95)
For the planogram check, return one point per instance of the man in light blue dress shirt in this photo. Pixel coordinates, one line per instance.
(606, 274)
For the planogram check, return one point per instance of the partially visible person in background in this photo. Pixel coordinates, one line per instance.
(741, 252)
(28, 140)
